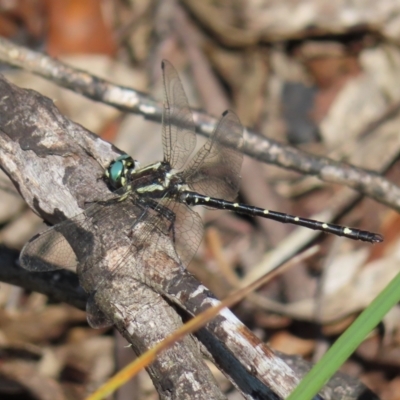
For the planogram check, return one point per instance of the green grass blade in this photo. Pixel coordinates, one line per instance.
(348, 342)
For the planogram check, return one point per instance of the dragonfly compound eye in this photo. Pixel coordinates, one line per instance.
(119, 169)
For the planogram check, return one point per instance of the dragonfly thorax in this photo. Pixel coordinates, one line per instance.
(153, 180)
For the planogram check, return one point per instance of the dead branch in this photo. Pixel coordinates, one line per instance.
(57, 165)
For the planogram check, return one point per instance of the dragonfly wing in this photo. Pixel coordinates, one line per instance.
(164, 229)
(138, 253)
(179, 224)
(50, 250)
(65, 245)
(188, 233)
(215, 169)
(113, 226)
(178, 129)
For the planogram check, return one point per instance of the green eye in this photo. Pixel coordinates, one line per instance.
(115, 172)
(118, 170)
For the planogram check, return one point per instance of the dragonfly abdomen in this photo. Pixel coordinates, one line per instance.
(195, 199)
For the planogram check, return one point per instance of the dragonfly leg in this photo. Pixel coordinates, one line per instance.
(166, 213)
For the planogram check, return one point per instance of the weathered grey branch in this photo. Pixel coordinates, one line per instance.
(56, 165)
(256, 146)
(65, 288)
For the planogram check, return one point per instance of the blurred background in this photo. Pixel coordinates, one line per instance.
(320, 75)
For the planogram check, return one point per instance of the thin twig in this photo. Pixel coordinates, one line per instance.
(256, 146)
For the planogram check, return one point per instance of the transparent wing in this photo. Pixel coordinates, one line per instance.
(54, 248)
(180, 224)
(48, 251)
(116, 239)
(188, 232)
(178, 130)
(113, 227)
(166, 229)
(215, 169)
(83, 242)
(77, 240)
(133, 254)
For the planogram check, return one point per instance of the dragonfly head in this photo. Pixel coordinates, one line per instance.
(119, 171)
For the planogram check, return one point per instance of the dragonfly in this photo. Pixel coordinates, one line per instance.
(152, 205)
